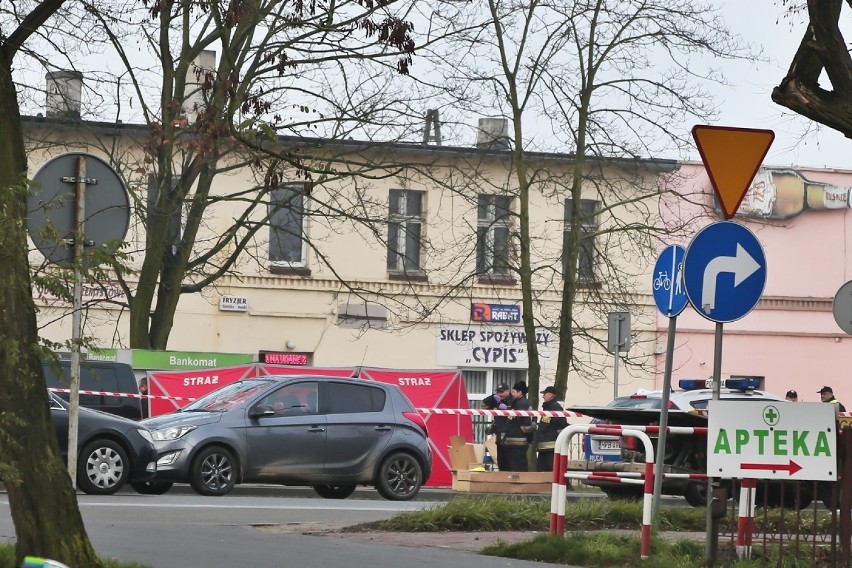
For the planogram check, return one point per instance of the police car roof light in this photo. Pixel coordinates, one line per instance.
(750, 383)
(693, 384)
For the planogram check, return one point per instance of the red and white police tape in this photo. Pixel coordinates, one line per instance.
(447, 411)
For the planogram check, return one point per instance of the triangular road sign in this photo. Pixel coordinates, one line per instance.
(732, 157)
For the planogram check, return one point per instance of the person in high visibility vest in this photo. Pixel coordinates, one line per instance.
(827, 395)
(548, 430)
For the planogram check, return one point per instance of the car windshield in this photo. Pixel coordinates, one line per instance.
(228, 397)
(636, 402)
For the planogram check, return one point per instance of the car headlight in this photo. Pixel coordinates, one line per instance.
(146, 434)
(174, 433)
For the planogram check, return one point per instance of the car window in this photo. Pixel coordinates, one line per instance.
(227, 397)
(54, 404)
(297, 399)
(348, 398)
(636, 402)
(96, 378)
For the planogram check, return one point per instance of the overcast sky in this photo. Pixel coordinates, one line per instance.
(747, 102)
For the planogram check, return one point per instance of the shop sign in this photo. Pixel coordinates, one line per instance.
(490, 346)
(497, 313)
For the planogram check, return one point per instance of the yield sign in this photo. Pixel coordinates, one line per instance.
(732, 157)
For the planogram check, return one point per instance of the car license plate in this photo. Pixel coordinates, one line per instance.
(609, 445)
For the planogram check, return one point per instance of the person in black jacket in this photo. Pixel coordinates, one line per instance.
(500, 400)
(519, 431)
(548, 429)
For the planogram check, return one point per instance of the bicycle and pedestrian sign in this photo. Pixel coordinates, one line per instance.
(760, 439)
(724, 271)
(669, 293)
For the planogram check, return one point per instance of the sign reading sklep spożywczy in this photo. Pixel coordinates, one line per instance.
(490, 346)
(772, 440)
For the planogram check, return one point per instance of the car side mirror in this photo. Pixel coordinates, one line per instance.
(261, 410)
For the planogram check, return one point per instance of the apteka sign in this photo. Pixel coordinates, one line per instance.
(761, 439)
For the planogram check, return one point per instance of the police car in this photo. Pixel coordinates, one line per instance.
(684, 454)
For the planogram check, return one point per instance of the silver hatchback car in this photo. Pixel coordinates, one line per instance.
(329, 433)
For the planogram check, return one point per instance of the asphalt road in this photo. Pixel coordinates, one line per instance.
(244, 529)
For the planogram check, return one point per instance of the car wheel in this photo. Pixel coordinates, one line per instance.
(102, 467)
(400, 477)
(624, 493)
(334, 491)
(151, 487)
(213, 471)
(696, 494)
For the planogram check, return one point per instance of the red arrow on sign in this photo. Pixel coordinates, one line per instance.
(792, 468)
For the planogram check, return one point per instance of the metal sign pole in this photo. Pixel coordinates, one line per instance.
(616, 353)
(712, 548)
(77, 317)
(664, 419)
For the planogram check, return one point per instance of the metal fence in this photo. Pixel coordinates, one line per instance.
(799, 521)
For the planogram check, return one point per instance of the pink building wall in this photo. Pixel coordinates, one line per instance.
(791, 337)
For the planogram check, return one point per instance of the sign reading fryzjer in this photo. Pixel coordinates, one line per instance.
(490, 346)
(767, 439)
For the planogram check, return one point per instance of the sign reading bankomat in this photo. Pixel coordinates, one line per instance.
(763, 439)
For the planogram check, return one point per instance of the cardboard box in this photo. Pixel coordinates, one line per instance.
(503, 481)
(462, 454)
(511, 488)
(505, 476)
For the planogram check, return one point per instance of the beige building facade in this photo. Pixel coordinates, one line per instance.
(409, 262)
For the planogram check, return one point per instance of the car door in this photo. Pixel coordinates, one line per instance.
(290, 443)
(59, 417)
(360, 423)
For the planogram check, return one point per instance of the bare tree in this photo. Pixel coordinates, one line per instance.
(261, 86)
(41, 498)
(823, 51)
(615, 82)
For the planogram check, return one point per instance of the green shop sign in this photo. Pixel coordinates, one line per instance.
(146, 359)
(97, 354)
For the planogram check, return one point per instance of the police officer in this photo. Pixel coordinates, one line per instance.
(548, 429)
(827, 395)
(500, 400)
(519, 431)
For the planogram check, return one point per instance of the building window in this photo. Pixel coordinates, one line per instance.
(405, 230)
(287, 225)
(588, 228)
(492, 235)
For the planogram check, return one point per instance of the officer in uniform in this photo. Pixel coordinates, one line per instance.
(519, 432)
(548, 429)
(827, 395)
(500, 400)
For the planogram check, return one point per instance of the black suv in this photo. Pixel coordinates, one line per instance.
(99, 376)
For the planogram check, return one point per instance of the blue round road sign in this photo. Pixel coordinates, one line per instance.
(724, 271)
(667, 281)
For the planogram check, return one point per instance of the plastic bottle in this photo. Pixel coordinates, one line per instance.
(783, 194)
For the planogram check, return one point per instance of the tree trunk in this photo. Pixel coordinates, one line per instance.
(43, 504)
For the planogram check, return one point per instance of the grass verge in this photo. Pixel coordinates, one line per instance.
(498, 513)
(7, 559)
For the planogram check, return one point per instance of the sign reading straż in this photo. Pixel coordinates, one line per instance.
(772, 440)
